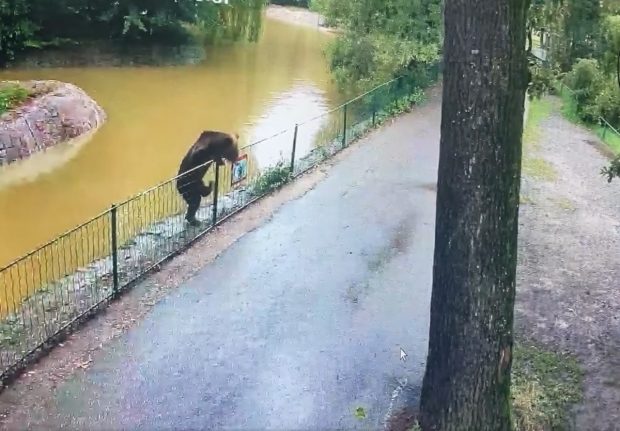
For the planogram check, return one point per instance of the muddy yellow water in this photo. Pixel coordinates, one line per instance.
(154, 115)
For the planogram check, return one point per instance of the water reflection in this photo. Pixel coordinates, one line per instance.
(304, 101)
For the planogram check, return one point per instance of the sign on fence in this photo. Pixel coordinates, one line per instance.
(239, 170)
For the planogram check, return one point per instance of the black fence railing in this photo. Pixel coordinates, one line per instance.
(46, 293)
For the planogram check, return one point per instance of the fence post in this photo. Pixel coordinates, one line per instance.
(114, 224)
(294, 147)
(604, 128)
(344, 128)
(215, 192)
(374, 114)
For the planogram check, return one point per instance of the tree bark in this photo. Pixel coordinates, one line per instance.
(467, 380)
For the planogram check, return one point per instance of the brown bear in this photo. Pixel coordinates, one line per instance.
(211, 146)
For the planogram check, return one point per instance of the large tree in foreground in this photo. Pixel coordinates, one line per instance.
(467, 380)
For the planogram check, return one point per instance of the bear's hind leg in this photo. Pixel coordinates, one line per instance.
(193, 204)
(206, 190)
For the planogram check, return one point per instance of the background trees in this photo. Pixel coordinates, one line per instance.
(381, 39)
(40, 23)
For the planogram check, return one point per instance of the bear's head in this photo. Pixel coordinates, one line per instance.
(231, 152)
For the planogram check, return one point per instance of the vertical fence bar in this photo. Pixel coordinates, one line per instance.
(216, 187)
(604, 123)
(115, 287)
(374, 116)
(294, 147)
(344, 127)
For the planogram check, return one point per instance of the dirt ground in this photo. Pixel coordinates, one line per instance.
(568, 294)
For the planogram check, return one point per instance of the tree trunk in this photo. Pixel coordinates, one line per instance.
(467, 380)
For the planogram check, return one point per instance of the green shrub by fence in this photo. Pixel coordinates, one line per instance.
(46, 293)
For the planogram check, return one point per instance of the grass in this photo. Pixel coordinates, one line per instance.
(563, 203)
(535, 167)
(11, 95)
(609, 137)
(539, 168)
(525, 200)
(539, 110)
(544, 386)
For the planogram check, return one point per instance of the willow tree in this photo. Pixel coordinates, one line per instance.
(467, 380)
(237, 20)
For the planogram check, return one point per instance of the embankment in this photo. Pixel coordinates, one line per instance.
(56, 112)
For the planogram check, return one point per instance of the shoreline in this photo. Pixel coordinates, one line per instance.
(298, 16)
(102, 53)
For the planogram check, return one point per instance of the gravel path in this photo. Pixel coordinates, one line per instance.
(569, 273)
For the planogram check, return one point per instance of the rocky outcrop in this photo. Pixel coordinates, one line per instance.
(57, 112)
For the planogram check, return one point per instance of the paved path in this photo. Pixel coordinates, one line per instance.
(297, 324)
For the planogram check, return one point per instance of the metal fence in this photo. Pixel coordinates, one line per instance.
(46, 293)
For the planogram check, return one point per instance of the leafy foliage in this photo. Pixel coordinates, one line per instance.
(542, 81)
(34, 23)
(16, 28)
(586, 81)
(613, 170)
(271, 179)
(607, 103)
(381, 38)
(611, 43)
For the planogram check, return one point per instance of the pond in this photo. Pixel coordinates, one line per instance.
(154, 114)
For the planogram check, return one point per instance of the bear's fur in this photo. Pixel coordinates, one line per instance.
(211, 146)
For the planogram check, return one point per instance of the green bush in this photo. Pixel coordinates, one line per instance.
(542, 81)
(11, 95)
(608, 103)
(587, 82)
(271, 179)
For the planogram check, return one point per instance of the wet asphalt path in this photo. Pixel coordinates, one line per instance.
(297, 324)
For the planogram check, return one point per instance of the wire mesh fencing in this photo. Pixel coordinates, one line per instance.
(45, 293)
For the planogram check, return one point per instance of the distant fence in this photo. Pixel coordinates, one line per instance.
(46, 293)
